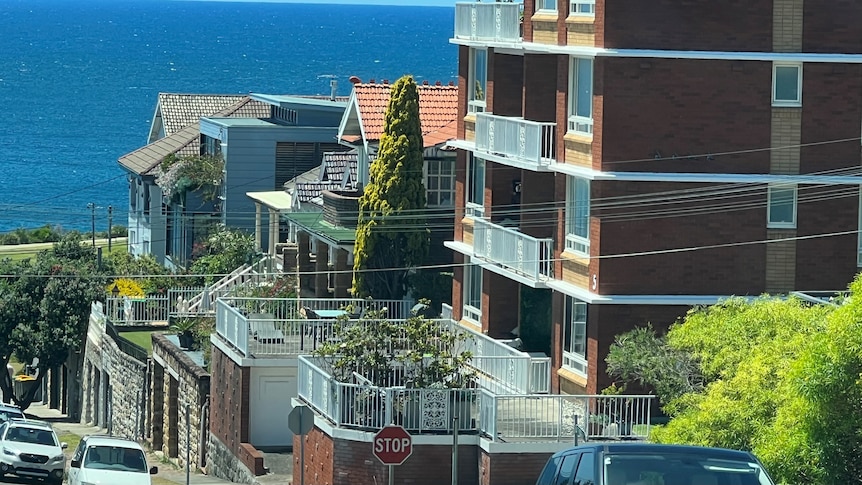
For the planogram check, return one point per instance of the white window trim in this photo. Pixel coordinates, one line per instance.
(580, 125)
(574, 362)
(540, 7)
(589, 4)
(575, 244)
(471, 313)
(440, 176)
(474, 105)
(783, 103)
(473, 210)
(780, 225)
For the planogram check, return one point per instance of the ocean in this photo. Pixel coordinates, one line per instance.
(79, 81)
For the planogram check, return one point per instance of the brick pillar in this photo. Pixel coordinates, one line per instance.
(305, 267)
(321, 271)
(343, 275)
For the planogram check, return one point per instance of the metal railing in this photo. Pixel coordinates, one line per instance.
(488, 21)
(126, 311)
(529, 144)
(509, 418)
(513, 250)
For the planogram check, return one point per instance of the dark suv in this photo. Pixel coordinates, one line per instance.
(652, 464)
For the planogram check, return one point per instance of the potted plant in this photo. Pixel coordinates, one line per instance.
(185, 330)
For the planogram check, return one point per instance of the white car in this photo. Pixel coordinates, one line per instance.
(108, 460)
(30, 449)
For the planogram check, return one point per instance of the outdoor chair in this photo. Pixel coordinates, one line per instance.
(262, 327)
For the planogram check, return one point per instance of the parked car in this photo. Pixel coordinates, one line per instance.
(31, 449)
(652, 464)
(8, 411)
(100, 459)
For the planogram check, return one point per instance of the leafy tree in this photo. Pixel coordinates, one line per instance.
(391, 233)
(145, 270)
(45, 308)
(224, 250)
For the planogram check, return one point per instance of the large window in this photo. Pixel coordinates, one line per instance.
(549, 5)
(473, 293)
(787, 84)
(781, 207)
(575, 336)
(440, 182)
(476, 186)
(210, 146)
(478, 81)
(584, 8)
(581, 96)
(578, 215)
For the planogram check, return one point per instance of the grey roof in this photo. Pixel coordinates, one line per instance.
(186, 141)
(336, 163)
(176, 111)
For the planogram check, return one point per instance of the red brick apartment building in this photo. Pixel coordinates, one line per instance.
(620, 161)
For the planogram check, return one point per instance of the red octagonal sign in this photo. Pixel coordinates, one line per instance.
(393, 445)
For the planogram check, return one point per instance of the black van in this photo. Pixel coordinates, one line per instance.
(652, 464)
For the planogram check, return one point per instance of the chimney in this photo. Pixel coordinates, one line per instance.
(333, 88)
(355, 80)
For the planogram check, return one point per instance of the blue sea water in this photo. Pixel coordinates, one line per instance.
(79, 80)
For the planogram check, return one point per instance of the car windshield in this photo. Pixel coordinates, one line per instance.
(31, 435)
(115, 458)
(7, 414)
(681, 469)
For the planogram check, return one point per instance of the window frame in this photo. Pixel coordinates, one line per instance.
(577, 243)
(578, 124)
(472, 273)
(575, 331)
(575, 5)
(541, 8)
(770, 194)
(475, 209)
(477, 105)
(787, 103)
(439, 169)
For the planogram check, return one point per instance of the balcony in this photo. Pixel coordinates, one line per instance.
(495, 22)
(497, 417)
(514, 254)
(516, 142)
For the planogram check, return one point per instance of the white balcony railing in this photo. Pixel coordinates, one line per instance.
(527, 144)
(509, 418)
(495, 21)
(513, 250)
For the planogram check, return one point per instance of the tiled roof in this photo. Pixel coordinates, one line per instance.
(438, 107)
(187, 141)
(181, 110)
(309, 191)
(335, 163)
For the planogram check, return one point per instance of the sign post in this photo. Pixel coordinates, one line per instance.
(392, 445)
(300, 421)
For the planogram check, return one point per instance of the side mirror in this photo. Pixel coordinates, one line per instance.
(64, 445)
(75, 464)
(154, 470)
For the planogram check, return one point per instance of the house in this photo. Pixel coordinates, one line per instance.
(325, 239)
(175, 130)
(274, 138)
(619, 164)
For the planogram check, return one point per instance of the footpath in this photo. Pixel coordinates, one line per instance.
(168, 473)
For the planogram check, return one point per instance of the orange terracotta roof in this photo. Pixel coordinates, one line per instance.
(438, 107)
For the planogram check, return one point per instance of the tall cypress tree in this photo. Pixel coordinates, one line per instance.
(391, 234)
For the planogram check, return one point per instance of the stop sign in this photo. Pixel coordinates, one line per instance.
(392, 445)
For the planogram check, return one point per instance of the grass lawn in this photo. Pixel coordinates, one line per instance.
(71, 439)
(24, 251)
(141, 337)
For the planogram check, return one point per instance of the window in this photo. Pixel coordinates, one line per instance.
(578, 215)
(476, 187)
(787, 84)
(581, 96)
(586, 474)
(567, 469)
(473, 292)
(478, 80)
(782, 207)
(210, 146)
(575, 336)
(546, 5)
(440, 182)
(585, 8)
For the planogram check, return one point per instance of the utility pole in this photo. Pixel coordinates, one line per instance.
(110, 226)
(92, 208)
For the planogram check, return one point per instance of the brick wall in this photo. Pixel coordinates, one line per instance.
(686, 24)
(505, 81)
(502, 308)
(511, 468)
(826, 27)
(827, 262)
(229, 404)
(540, 84)
(538, 203)
(693, 107)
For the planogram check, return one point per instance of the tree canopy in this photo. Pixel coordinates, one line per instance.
(45, 308)
(391, 233)
(779, 377)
